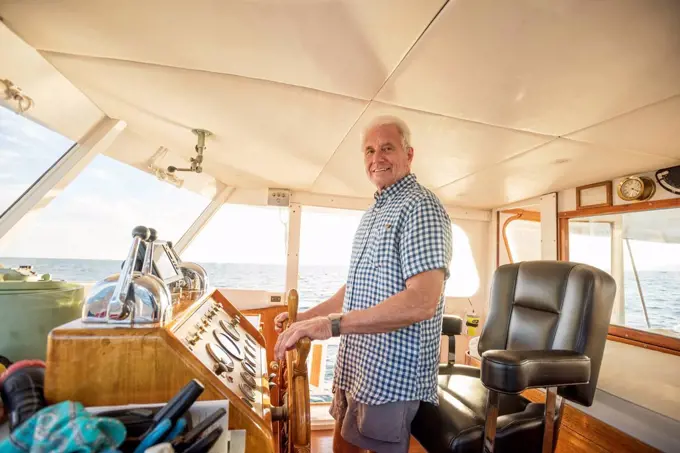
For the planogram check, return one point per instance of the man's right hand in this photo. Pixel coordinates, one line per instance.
(279, 320)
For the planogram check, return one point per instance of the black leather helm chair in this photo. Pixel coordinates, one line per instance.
(546, 327)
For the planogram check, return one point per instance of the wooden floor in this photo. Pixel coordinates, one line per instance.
(322, 442)
(569, 442)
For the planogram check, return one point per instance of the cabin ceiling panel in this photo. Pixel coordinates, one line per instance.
(57, 104)
(446, 149)
(265, 133)
(556, 166)
(654, 129)
(542, 66)
(348, 47)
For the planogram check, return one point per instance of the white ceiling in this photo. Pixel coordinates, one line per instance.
(505, 100)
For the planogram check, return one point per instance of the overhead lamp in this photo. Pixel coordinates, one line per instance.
(161, 173)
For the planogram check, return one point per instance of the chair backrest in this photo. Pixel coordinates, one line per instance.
(548, 305)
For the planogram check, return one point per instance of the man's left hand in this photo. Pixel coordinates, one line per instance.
(316, 329)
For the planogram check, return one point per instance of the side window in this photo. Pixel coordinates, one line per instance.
(85, 233)
(326, 237)
(243, 247)
(590, 242)
(27, 150)
(641, 250)
(325, 250)
(464, 280)
(523, 240)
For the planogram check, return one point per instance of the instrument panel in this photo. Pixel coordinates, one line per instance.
(219, 341)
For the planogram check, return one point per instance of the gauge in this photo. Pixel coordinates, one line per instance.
(248, 379)
(247, 391)
(230, 330)
(228, 345)
(218, 354)
(250, 351)
(249, 368)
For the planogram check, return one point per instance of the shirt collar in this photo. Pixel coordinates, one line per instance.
(395, 188)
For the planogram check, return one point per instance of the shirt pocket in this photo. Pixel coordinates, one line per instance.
(385, 253)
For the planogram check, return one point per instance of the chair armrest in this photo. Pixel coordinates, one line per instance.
(515, 371)
(452, 325)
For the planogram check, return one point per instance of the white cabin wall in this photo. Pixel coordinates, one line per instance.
(549, 227)
(566, 199)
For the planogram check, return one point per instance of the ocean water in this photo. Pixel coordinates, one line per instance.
(661, 289)
(316, 283)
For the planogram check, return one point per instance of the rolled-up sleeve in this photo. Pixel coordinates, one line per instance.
(425, 242)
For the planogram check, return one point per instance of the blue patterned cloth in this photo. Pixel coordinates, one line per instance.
(64, 428)
(405, 232)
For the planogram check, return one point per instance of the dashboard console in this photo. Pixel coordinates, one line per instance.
(147, 331)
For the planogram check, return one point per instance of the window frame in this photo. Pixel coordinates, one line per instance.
(622, 334)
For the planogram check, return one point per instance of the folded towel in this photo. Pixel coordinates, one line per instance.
(65, 428)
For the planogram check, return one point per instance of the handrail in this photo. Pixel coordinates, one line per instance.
(637, 280)
(520, 214)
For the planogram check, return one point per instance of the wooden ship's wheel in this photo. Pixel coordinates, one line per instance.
(295, 421)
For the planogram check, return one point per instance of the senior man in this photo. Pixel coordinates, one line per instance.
(388, 314)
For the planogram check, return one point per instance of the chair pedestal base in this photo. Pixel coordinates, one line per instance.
(553, 405)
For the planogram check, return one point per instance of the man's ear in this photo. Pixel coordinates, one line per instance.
(410, 153)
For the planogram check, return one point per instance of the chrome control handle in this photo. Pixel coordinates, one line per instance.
(120, 308)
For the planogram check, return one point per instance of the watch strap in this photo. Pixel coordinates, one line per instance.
(335, 325)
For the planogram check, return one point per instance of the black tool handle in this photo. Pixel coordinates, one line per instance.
(180, 403)
(192, 435)
(205, 443)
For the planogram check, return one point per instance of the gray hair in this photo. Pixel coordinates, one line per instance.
(388, 120)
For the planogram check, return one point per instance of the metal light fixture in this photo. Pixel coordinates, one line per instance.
(198, 160)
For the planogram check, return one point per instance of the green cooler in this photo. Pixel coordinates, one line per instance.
(29, 310)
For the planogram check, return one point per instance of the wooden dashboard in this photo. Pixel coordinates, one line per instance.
(210, 340)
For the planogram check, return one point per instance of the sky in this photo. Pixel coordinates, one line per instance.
(109, 198)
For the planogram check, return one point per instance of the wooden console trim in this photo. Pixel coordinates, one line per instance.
(647, 340)
(103, 365)
(622, 208)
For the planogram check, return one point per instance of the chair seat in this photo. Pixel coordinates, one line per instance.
(456, 425)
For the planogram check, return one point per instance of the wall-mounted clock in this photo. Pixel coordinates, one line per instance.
(636, 188)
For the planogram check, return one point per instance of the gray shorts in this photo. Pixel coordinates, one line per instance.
(385, 428)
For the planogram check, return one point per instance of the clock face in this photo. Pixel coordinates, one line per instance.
(632, 188)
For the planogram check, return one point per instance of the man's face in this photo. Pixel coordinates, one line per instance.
(385, 159)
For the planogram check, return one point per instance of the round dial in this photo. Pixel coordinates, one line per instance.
(637, 188)
(218, 354)
(250, 351)
(230, 330)
(249, 368)
(228, 345)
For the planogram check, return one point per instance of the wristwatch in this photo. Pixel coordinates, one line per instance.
(335, 323)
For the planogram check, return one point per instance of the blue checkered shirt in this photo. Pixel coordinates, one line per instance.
(405, 232)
